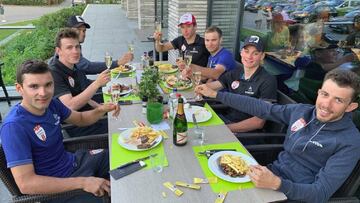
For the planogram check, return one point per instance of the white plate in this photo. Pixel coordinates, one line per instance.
(216, 169)
(201, 114)
(126, 135)
(132, 69)
(107, 87)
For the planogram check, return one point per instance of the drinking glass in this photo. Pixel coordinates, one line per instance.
(158, 26)
(108, 59)
(131, 47)
(157, 162)
(196, 82)
(187, 58)
(198, 136)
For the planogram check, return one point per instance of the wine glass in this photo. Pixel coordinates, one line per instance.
(196, 82)
(108, 59)
(131, 48)
(158, 26)
(187, 58)
(115, 94)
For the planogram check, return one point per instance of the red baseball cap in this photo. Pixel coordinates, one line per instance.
(187, 19)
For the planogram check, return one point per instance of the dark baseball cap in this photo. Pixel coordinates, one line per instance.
(255, 41)
(76, 21)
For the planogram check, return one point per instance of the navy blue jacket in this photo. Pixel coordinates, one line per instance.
(317, 156)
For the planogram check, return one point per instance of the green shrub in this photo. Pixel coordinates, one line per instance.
(32, 2)
(36, 44)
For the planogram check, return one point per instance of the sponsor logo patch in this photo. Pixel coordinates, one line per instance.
(300, 123)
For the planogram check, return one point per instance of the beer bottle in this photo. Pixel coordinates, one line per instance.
(180, 125)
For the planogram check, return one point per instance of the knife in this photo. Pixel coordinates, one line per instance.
(212, 151)
(136, 161)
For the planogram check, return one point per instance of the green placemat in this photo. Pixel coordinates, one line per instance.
(131, 97)
(221, 185)
(120, 155)
(215, 119)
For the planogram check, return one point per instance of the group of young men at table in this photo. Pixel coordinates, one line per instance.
(321, 148)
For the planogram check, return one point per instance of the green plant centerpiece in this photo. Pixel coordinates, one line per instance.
(148, 89)
(148, 85)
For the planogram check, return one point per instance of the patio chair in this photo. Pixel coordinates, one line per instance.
(267, 153)
(72, 144)
(3, 85)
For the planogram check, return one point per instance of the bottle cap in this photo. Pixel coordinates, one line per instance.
(174, 89)
(178, 95)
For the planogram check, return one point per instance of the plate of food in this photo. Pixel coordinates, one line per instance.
(173, 82)
(123, 89)
(167, 68)
(231, 166)
(139, 138)
(123, 69)
(201, 114)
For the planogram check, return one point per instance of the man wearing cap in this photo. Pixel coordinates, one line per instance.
(189, 41)
(353, 39)
(90, 67)
(220, 59)
(251, 80)
(72, 87)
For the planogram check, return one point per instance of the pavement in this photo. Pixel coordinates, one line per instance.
(110, 31)
(16, 13)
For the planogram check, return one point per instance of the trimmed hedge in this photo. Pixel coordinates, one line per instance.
(32, 2)
(36, 44)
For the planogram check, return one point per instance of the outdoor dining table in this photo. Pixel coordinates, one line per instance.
(183, 164)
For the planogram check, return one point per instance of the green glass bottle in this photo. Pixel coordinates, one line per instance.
(180, 125)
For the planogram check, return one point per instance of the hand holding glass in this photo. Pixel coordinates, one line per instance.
(131, 48)
(108, 59)
(196, 82)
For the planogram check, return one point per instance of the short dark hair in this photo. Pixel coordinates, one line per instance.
(214, 29)
(65, 33)
(345, 78)
(31, 67)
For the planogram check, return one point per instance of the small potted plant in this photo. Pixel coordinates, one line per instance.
(149, 92)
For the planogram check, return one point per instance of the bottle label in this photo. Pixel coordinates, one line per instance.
(181, 138)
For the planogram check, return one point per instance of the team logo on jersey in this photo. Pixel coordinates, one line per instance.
(194, 51)
(235, 84)
(95, 151)
(40, 132)
(300, 123)
(71, 81)
(249, 91)
(183, 47)
(57, 119)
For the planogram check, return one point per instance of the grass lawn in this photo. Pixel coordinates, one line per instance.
(7, 32)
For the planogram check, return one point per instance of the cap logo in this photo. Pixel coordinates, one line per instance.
(80, 19)
(254, 39)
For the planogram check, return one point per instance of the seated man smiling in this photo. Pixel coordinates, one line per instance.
(32, 141)
(322, 145)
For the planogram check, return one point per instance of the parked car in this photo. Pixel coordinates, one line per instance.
(347, 6)
(310, 13)
(250, 6)
(78, 2)
(344, 23)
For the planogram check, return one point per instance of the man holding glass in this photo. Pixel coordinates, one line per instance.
(189, 41)
(90, 67)
(219, 61)
(72, 86)
(251, 80)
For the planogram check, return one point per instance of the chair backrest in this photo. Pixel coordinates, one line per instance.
(351, 184)
(273, 127)
(6, 175)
